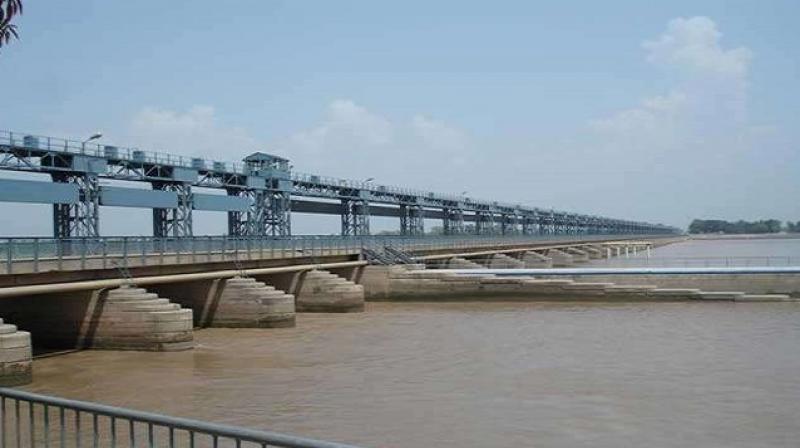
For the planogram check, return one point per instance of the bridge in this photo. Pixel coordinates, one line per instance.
(78, 289)
(258, 194)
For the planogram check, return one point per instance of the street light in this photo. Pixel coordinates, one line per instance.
(94, 136)
(368, 180)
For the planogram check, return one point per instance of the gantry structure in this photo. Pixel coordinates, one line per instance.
(258, 194)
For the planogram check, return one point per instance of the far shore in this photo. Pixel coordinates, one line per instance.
(751, 236)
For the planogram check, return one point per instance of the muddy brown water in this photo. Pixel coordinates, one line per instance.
(480, 375)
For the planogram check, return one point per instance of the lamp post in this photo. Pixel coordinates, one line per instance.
(94, 136)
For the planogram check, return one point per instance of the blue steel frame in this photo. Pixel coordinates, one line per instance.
(269, 185)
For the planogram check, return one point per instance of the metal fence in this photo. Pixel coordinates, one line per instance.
(31, 255)
(34, 420)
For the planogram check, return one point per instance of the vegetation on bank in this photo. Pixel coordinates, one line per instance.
(742, 227)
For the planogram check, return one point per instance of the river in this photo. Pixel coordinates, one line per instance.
(478, 375)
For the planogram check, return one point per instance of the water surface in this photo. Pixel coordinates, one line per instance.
(479, 375)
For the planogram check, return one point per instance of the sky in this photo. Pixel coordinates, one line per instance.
(653, 111)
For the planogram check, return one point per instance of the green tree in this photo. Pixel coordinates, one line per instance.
(8, 9)
(737, 227)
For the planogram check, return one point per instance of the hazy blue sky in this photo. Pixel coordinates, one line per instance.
(659, 111)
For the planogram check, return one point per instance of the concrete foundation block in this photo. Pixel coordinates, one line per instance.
(578, 256)
(765, 298)
(130, 318)
(719, 295)
(593, 252)
(674, 293)
(248, 303)
(322, 291)
(503, 261)
(535, 260)
(560, 258)
(462, 263)
(16, 364)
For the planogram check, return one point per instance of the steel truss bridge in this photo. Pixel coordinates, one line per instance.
(258, 195)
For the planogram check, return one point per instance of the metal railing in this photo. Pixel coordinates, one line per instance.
(34, 420)
(706, 262)
(54, 144)
(32, 255)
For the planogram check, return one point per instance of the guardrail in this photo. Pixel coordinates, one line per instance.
(31, 420)
(33, 255)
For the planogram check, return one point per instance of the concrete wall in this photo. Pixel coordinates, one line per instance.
(749, 283)
(400, 283)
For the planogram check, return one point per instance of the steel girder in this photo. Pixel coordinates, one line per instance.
(530, 225)
(83, 218)
(484, 223)
(509, 224)
(174, 222)
(453, 221)
(355, 217)
(412, 220)
(269, 214)
(64, 159)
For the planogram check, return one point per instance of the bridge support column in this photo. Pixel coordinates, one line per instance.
(509, 224)
(238, 302)
(174, 222)
(269, 214)
(125, 318)
(529, 226)
(355, 217)
(412, 220)
(81, 219)
(130, 318)
(322, 291)
(560, 258)
(535, 260)
(484, 223)
(453, 221)
(15, 356)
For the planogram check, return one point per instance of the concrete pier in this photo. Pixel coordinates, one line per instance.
(536, 260)
(246, 302)
(593, 252)
(461, 263)
(232, 302)
(15, 356)
(503, 261)
(578, 255)
(560, 258)
(322, 291)
(130, 318)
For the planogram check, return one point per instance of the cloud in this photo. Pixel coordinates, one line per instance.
(710, 99)
(196, 132)
(694, 44)
(694, 151)
(353, 141)
(346, 122)
(438, 135)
